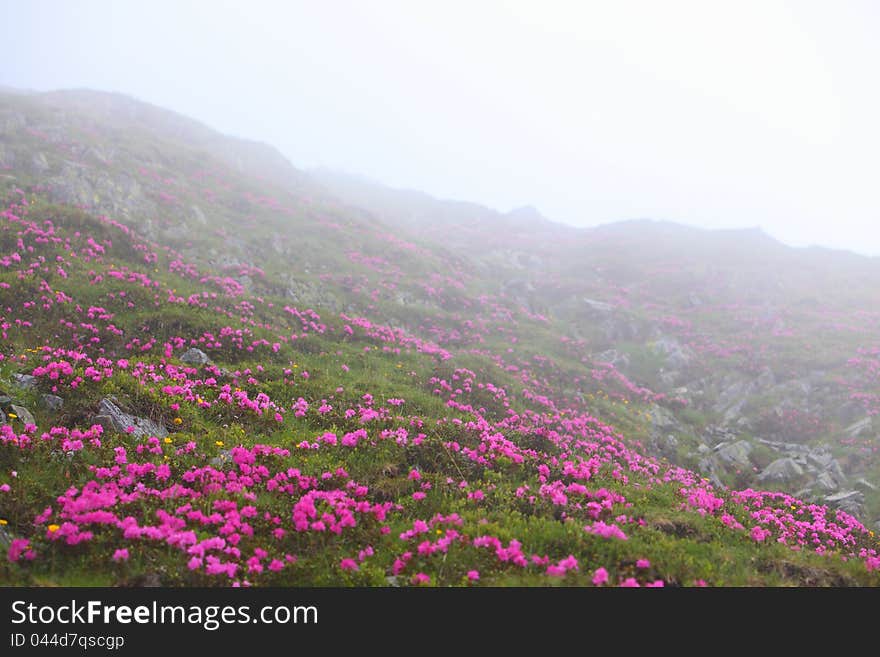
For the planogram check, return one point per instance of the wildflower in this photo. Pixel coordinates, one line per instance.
(349, 564)
(177, 420)
(120, 555)
(18, 548)
(473, 575)
(219, 443)
(53, 528)
(421, 578)
(643, 563)
(168, 440)
(600, 577)
(759, 533)
(3, 522)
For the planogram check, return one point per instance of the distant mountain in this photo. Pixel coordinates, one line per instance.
(217, 369)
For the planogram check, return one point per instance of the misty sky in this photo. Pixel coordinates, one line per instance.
(717, 114)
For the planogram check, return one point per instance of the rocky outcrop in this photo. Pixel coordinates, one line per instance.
(781, 471)
(675, 354)
(736, 454)
(112, 418)
(850, 501)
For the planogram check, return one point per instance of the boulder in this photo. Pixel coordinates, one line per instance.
(223, 459)
(858, 428)
(24, 381)
(709, 467)
(735, 453)
(865, 485)
(850, 501)
(599, 307)
(781, 471)
(826, 482)
(195, 357)
(662, 418)
(677, 356)
(52, 403)
(820, 458)
(112, 418)
(21, 413)
(5, 539)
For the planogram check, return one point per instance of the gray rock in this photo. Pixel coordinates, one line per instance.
(24, 381)
(677, 356)
(820, 458)
(222, 459)
(850, 501)
(5, 400)
(734, 395)
(112, 418)
(826, 482)
(766, 378)
(715, 435)
(662, 418)
(703, 448)
(195, 357)
(24, 415)
(782, 471)
(735, 453)
(5, 539)
(617, 358)
(836, 471)
(51, 402)
(865, 484)
(858, 428)
(849, 412)
(39, 163)
(599, 307)
(710, 467)
(198, 215)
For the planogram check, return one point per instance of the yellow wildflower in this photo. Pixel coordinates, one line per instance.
(219, 443)
(54, 528)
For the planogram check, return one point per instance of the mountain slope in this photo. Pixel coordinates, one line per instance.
(233, 377)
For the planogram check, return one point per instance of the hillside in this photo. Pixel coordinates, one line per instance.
(217, 369)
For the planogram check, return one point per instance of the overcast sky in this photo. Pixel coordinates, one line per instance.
(716, 114)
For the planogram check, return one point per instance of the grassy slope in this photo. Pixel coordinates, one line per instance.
(518, 411)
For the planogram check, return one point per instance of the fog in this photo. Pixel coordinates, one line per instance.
(711, 114)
